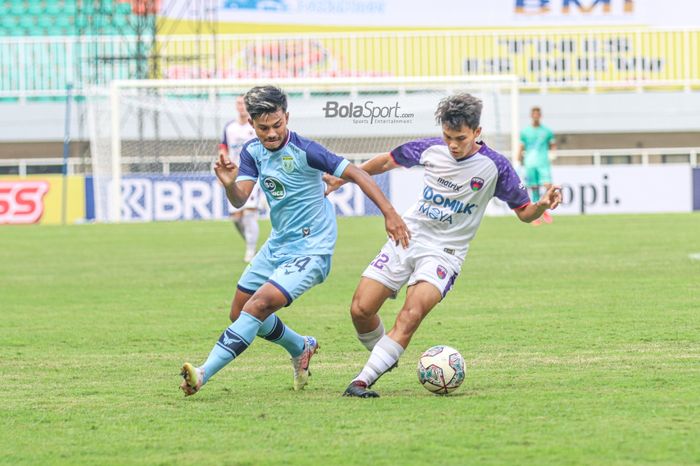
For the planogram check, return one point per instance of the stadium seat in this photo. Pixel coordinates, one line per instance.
(35, 31)
(8, 23)
(53, 9)
(81, 21)
(17, 8)
(27, 22)
(54, 30)
(87, 7)
(64, 20)
(17, 31)
(45, 21)
(120, 21)
(106, 7)
(123, 8)
(69, 9)
(34, 8)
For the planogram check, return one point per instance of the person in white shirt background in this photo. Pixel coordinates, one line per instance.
(236, 133)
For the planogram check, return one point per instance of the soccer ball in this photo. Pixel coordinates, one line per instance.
(441, 369)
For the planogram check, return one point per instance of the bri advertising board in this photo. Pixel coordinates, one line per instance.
(147, 198)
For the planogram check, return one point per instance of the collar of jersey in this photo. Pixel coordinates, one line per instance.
(483, 146)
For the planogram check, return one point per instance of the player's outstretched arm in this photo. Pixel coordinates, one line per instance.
(378, 164)
(227, 171)
(395, 226)
(550, 200)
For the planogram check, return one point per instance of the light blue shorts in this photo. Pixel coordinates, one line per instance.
(293, 275)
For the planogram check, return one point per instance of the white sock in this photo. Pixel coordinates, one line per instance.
(238, 223)
(251, 230)
(384, 355)
(370, 339)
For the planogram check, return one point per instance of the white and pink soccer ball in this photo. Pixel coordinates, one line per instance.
(441, 369)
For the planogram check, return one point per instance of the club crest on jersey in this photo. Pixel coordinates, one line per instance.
(476, 183)
(441, 272)
(288, 163)
(275, 187)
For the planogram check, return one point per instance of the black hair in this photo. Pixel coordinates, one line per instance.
(261, 100)
(459, 110)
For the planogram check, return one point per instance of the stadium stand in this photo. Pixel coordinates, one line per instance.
(63, 17)
(41, 45)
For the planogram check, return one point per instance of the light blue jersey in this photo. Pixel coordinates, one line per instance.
(303, 220)
(297, 256)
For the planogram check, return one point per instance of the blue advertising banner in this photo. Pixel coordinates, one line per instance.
(696, 188)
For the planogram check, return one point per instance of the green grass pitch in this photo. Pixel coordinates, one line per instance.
(582, 342)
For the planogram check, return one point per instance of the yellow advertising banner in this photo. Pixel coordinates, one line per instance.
(39, 199)
(573, 57)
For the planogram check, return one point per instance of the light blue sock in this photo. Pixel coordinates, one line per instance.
(274, 330)
(235, 339)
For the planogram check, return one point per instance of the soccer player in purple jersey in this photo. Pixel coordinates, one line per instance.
(461, 176)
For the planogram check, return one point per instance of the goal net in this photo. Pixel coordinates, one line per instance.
(169, 130)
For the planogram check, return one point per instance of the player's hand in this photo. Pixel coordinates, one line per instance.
(332, 183)
(552, 198)
(397, 229)
(226, 171)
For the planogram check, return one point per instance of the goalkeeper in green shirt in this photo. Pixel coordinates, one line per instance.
(537, 150)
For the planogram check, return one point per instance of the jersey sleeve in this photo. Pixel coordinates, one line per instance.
(509, 188)
(409, 154)
(322, 159)
(248, 171)
(550, 136)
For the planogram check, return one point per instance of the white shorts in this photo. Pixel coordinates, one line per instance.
(395, 266)
(254, 200)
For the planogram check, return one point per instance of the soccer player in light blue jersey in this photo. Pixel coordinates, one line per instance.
(297, 255)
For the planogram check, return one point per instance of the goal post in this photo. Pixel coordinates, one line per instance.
(174, 126)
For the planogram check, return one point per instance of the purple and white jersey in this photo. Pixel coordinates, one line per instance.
(235, 136)
(455, 193)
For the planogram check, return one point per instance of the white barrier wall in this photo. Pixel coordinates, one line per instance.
(625, 189)
(589, 190)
